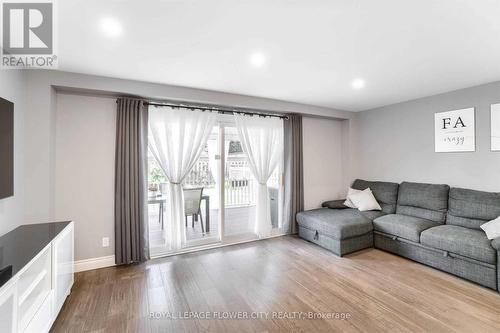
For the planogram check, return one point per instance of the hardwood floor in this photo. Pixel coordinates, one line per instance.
(378, 291)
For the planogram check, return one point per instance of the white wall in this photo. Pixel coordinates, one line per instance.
(40, 121)
(84, 167)
(84, 170)
(323, 159)
(38, 149)
(41, 136)
(12, 88)
(396, 142)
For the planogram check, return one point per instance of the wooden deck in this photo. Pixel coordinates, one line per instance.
(238, 220)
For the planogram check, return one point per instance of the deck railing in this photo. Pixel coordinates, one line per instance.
(239, 185)
(200, 175)
(239, 189)
(239, 192)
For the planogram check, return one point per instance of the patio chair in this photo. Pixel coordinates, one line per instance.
(192, 205)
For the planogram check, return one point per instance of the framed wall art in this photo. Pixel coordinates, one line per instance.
(495, 127)
(455, 131)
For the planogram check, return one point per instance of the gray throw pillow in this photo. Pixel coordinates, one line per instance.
(334, 204)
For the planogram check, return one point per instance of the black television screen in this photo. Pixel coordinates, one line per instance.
(6, 148)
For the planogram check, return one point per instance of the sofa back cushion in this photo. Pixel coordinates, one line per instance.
(470, 208)
(386, 193)
(426, 201)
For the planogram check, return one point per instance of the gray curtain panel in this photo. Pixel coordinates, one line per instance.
(131, 221)
(294, 172)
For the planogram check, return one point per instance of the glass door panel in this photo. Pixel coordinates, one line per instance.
(220, 195)
(275, 187)
(203, 228)
(239, 188)
(201, 224)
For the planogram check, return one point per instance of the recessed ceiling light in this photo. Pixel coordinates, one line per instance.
(257, 59)
(358, 83)
(111, 27)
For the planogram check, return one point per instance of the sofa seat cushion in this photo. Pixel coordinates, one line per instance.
(466, 242)
(404, 226)
(336, 223)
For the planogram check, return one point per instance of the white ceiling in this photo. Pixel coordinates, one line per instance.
(403, 49)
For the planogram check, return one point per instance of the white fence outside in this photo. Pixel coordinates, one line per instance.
(239, 192)
(239, 186)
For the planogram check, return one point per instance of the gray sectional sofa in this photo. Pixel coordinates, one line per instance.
(433, 224)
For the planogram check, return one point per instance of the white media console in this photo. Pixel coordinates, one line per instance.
(36, 266)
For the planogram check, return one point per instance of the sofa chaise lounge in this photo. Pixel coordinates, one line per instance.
(433, 224)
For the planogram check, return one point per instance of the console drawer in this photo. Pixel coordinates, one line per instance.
(42, 320)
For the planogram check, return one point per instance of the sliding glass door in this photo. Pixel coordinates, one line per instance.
(220, 195)
(201, 196)
(240, 191)
(201, 191)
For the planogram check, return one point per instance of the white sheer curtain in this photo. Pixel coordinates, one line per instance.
(177, 138)
(262, 142)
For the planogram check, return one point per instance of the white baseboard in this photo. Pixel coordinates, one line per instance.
(94, 263)
(108, 261)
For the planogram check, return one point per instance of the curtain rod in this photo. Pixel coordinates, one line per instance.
(217, 109)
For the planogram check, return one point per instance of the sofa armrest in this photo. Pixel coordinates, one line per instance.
(496, 243)
(334, 204)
